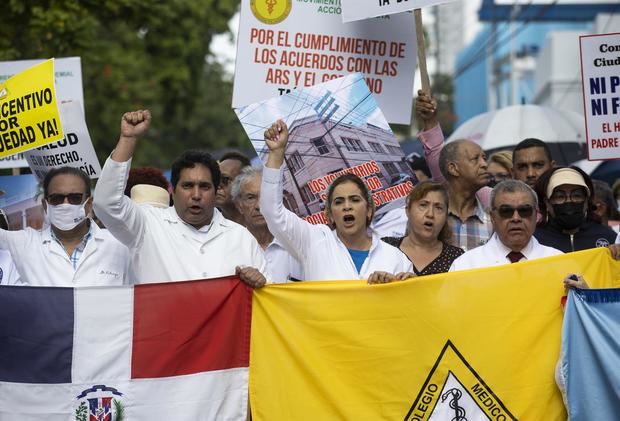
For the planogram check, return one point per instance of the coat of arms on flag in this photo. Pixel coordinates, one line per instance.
(100, 403)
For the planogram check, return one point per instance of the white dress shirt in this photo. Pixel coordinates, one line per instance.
(321, 253)
(494, 253)
(281, 265)
(42, 261)
(163, 247)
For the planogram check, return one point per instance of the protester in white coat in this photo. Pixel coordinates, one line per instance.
(346, 250)
(73, 251)
(190, 240)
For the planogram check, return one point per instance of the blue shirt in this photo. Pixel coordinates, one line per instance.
(359, 257)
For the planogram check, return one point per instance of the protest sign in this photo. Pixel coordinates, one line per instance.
(20, 199)
(296, 44)
(74, 150)
(68, 77)
(29, 114)
(334, 128)
(363, 9)
(600, 71)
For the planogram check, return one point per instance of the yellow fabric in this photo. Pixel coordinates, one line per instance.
(29, 115)
(346, 350)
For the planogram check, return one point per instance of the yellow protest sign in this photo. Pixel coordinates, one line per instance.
(477, 344)
(29, 114)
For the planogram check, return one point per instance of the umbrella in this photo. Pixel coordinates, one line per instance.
(607, 171)
(563, 130)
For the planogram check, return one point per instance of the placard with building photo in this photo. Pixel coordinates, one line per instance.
(290, 44)
(20, 199)
(334, 127)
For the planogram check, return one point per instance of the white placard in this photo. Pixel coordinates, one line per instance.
(554, 2)
(297, 43)
(363, 9)
(600, 68)
(75, 150)
(68, 88)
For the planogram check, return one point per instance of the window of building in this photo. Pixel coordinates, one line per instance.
(376, 147)
(353, 144)
(394, 150)
(306, 194)
(320, 145)
(390, 168)
(295, 161)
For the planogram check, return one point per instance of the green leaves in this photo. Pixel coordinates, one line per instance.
(136, 54)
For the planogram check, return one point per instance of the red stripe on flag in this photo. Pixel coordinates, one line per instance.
(190, 327)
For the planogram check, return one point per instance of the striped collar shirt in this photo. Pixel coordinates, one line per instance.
(474, 231)
(79, 249)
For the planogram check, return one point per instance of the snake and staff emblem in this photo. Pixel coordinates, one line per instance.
(270, 4)
(459, 412)
(271, 12)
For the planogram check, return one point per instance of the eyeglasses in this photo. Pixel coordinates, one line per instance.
(507, 212)
(560, 196)
(55, 199)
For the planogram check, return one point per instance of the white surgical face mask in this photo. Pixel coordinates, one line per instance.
(66, 216)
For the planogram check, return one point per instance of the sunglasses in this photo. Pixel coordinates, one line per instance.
(506, 212)
(56, 199)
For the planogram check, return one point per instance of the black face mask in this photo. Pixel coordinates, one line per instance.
(569, 215)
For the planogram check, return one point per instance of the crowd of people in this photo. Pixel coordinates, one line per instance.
(221, 218)
(225, 217)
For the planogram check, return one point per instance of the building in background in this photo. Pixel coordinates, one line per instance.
(527, 52)
(557, 79)
(449, 26)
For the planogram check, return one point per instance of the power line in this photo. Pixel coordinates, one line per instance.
(499, 43)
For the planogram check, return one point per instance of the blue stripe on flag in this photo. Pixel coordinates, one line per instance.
(591, 354)
(36, 334)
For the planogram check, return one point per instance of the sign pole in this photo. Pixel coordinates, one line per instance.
(419, 31)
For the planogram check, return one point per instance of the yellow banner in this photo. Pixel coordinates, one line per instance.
(452, 346)
(29, 114)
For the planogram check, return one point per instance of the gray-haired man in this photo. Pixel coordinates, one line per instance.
(245, 193)
(513, 214)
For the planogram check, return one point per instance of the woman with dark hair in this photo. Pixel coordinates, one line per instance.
(427, 241)
(344, 250)
(565, 197)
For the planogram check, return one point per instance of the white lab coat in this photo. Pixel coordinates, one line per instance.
(319, 250)
(281, 264)
(163, 247)
(8, 271)
(42, 261)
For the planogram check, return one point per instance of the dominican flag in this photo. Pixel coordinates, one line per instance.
(591, 354)
(171, 351)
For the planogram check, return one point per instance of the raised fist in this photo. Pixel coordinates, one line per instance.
(276, 137)
(135, 123)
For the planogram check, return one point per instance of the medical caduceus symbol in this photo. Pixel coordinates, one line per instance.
(270, 4)
(459, 413)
